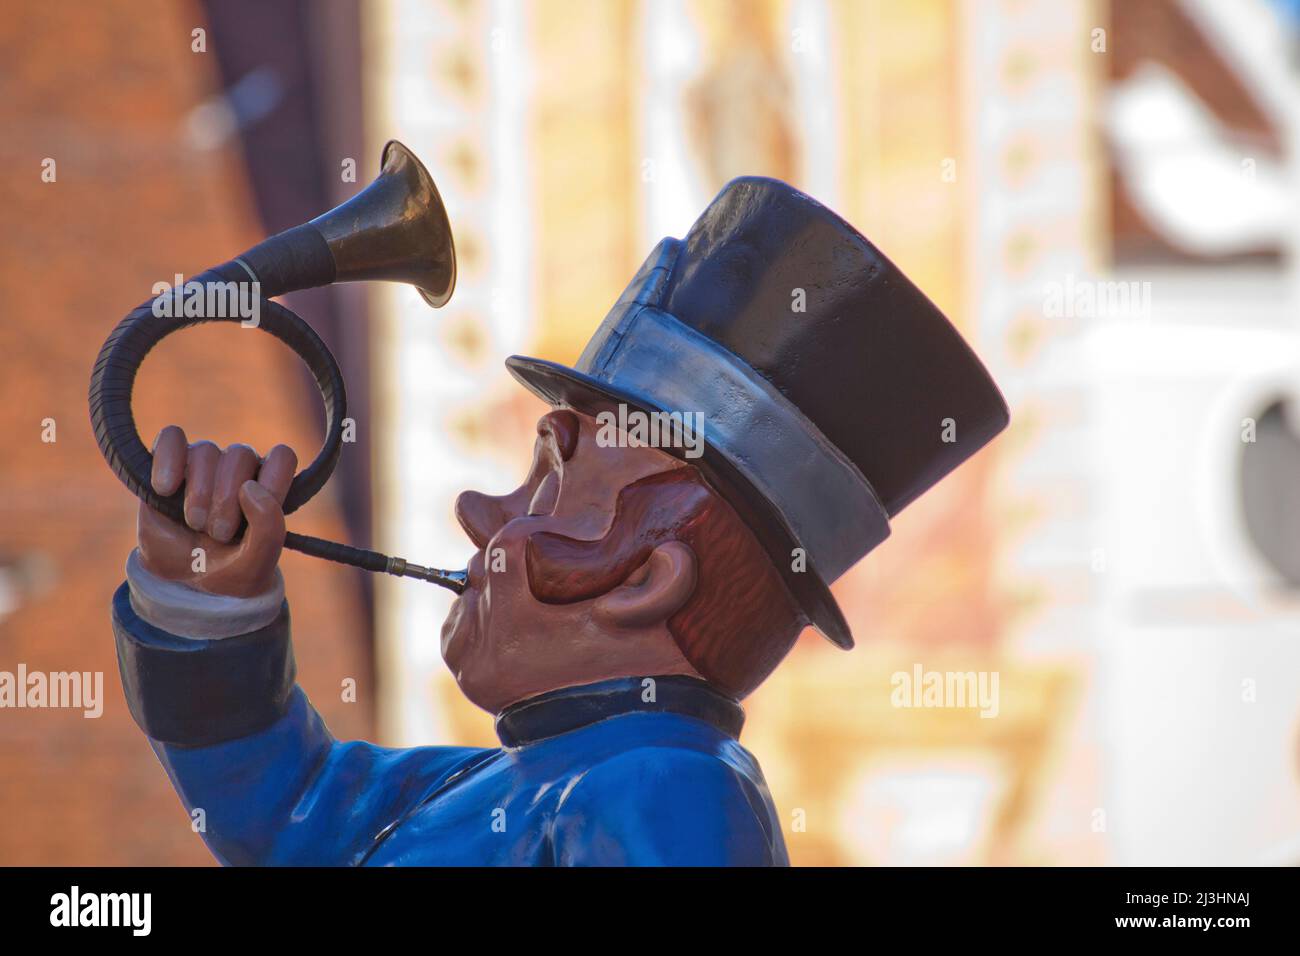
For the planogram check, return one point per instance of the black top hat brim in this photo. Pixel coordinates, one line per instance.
(560, 385)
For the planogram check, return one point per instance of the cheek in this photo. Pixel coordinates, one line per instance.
(505, 597)
(511, 621)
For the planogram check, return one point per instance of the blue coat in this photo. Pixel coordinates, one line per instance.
(596, 775)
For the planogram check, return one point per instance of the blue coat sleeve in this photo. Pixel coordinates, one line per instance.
(264, 780)
(666, 807)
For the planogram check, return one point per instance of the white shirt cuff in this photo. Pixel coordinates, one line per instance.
(186, 612)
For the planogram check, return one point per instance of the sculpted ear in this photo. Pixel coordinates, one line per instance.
(655, 591)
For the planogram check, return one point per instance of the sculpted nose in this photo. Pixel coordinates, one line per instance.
(480, 515)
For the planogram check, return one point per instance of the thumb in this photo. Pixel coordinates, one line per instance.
(260, 549)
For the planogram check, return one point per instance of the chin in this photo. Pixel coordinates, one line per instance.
(456, 632)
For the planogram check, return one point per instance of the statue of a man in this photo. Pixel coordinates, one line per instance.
(763, 398)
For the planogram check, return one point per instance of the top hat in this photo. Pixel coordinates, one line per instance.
(833, 391)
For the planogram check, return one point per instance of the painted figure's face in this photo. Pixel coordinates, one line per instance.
(500, 642)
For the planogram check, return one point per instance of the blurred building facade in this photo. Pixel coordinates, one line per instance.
(631, 117)
(974, 143)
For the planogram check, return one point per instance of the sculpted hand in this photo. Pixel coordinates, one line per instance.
(220, 488)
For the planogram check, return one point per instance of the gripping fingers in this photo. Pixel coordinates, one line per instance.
(169, 454)
(276, 474)
(200, 475)
(238, 464)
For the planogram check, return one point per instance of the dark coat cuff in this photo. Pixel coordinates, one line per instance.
(193, 693)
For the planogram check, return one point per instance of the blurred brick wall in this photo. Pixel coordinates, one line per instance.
(105, 90)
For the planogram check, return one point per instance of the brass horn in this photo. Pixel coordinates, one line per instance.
(395, 229)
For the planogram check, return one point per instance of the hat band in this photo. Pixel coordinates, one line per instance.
(828, 504)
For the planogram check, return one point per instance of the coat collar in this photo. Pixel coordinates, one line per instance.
(571, 708)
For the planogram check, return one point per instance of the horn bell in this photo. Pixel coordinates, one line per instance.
(396, 230)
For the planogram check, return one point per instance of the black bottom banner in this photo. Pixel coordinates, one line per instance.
(306, 905)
